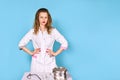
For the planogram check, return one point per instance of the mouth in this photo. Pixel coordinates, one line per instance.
(43, 22)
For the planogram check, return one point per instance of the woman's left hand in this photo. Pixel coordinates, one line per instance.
(50, 52)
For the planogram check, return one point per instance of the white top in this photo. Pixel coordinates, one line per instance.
(44, 41)
(39, 39)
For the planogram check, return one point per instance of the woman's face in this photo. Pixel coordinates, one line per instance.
(43, 18)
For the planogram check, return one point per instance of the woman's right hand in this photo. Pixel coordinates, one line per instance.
(36, 51)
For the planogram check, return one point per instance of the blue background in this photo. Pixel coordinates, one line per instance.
(92, 28)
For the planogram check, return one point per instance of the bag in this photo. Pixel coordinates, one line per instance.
(36, 76)
(61, 73)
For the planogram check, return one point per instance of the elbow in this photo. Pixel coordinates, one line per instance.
(64, 46)
(20, 47)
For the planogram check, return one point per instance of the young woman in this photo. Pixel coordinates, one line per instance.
(43, 36)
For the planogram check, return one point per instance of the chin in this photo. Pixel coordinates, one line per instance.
(44, 24)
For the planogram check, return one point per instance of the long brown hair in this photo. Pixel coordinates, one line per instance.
(37, 24)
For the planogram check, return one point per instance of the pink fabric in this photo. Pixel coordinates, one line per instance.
(63, 47)
(34, 56)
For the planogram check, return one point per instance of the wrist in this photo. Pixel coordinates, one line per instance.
(31, 53)
(55, 54)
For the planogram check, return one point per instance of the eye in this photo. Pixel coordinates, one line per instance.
(45, 17)
(41, 17)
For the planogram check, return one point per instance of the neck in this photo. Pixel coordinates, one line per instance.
(42, 28)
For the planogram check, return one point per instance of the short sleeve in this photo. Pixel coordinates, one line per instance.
(24, 41)
(60, 38)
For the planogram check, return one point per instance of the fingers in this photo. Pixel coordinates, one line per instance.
(50, 52)
(36, 51)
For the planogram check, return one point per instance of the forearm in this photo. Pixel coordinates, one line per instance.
(58, 51)
(27, 50)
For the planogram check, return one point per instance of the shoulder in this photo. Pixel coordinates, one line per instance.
(54, 30)
(31, 31)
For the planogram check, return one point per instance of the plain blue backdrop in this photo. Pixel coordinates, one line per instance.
(92, 28)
